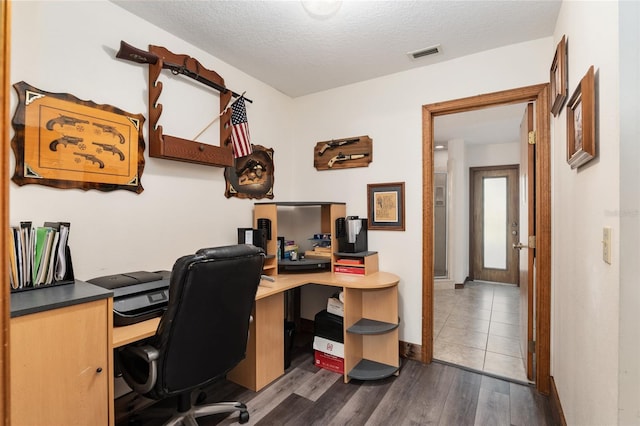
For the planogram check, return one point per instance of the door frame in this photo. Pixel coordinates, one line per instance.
(5, 45)
(5, 48)
(540, 95)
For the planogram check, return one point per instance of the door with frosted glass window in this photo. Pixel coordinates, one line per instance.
(493, 224)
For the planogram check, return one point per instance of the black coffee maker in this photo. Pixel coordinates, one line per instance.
(351, 232)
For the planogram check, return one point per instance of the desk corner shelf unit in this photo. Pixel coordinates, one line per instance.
(371, 333)
(361, 263)
(371, 321)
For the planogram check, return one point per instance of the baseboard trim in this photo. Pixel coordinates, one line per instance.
(466, 280)
(410, 351)
(556, 407)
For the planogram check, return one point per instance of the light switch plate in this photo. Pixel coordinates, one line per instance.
(606, 244)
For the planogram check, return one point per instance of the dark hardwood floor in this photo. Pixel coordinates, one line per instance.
(438, 394)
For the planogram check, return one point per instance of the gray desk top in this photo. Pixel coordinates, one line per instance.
(44, 299)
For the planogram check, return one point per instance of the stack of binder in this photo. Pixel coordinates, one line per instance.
(39, 256)
(328, 342)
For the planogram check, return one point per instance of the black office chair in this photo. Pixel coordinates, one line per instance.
(203, 334)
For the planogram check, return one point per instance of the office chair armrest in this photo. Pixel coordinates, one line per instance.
(150, 355)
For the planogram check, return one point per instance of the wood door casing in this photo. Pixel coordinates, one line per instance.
(527, 229)
(477, 268)
(5, 47)
(539, 94)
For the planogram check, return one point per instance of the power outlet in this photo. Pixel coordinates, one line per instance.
(606, 244)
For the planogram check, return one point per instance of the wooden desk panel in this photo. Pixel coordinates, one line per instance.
(60, 369)
(265, 351)
(134, 332)
(285, 282)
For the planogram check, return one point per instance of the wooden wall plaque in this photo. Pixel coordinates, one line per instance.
(343, 153)
(65, 142)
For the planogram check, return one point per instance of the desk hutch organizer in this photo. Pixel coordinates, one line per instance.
(370, 313)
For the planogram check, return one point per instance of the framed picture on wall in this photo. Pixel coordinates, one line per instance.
(386, 206)
(581, 122)
(558, 77)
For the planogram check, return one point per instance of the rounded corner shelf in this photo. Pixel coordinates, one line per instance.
(372, 370)
(366, 326)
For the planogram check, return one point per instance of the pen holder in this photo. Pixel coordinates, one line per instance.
(264, 223)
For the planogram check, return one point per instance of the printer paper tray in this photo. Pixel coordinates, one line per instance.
(121, 319)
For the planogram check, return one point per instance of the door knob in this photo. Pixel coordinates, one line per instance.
(519, 246)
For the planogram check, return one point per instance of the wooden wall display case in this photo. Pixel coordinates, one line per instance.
(252, 176)
(343, 153)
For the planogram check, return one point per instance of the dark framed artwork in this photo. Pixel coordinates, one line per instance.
(385, 208)
(558, 77)
(581, 122)
(251, 176)
(65, 142)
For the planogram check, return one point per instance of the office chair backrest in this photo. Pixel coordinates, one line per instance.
(203, 334)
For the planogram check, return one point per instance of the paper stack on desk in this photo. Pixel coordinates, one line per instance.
(335, 304)
(37, 256)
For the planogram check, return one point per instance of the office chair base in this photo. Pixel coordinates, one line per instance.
(188, 418)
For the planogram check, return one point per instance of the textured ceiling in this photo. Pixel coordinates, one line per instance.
(280, 44)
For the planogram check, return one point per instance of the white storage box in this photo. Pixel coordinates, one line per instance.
(328, 346)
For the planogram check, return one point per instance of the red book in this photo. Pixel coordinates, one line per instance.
(352, 261)
(348, 270)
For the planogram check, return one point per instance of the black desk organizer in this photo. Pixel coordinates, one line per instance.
(68, 278)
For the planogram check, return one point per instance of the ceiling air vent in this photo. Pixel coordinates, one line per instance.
(425, 52)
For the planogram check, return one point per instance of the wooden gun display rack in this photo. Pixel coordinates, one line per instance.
(173, 147)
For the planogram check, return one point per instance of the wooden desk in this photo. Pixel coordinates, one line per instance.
(373, 296)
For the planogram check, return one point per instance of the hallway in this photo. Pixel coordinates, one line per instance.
(478, 327)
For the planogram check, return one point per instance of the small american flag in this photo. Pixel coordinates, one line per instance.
(240, 139)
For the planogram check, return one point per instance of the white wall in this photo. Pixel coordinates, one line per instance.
(497, 154)
(69, 47)
(388, 109)
(62, 47)
(585, 290)
(459, 213)
(629, 405)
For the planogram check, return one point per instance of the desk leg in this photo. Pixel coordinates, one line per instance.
(265, 350)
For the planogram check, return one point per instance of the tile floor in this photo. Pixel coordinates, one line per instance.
(478, 327)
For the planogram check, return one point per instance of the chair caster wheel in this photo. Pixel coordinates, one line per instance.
(244, 417)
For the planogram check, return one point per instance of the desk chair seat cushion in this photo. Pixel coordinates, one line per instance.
(203, 334)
